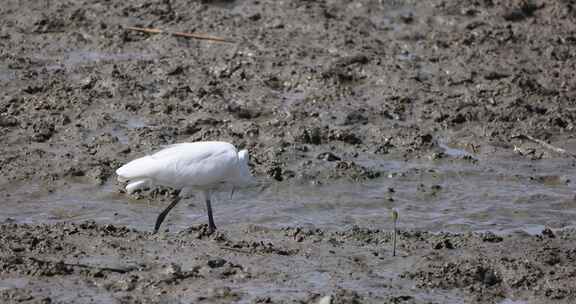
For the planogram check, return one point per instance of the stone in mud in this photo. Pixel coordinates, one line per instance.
(216, 262)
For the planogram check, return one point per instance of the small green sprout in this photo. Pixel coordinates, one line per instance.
(395, 219)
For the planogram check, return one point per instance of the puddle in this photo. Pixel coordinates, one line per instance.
(502, 197)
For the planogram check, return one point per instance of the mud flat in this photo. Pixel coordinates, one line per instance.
(416, 95)
(87, 262)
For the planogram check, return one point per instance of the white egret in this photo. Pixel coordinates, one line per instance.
(204, 166)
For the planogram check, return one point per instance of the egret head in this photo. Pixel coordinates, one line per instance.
(245, 178)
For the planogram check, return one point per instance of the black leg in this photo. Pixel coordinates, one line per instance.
(162, 215)
(211, 226)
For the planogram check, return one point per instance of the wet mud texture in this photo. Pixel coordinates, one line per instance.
(310, 87)
(106, 263)
(315, 90)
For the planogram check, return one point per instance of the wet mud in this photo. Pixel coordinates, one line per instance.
(320, 92)
(255, 264)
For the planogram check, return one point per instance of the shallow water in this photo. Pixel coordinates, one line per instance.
(443, 195)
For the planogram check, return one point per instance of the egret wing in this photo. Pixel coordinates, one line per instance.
(185, 165)
(207, 168)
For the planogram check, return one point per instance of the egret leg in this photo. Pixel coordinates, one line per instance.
(211, 226)
(163, 214)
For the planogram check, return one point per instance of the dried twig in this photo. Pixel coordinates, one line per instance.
(180, 34)
(545, 145)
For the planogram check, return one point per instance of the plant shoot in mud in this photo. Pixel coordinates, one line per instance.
(394, 220)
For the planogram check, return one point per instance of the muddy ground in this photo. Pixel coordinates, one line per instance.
(254, 264)
(312, 89)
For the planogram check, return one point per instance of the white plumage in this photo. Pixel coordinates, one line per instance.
(205, 166)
